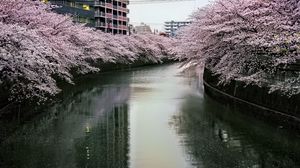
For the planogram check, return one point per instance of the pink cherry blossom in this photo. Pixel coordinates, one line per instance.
(245, 40)
(39, 47)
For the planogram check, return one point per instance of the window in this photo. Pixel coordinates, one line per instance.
(85, 7)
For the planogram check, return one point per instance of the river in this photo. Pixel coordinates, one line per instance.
(149, 117)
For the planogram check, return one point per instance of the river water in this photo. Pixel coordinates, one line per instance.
(150, 117)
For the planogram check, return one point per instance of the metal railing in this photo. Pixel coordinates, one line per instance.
(99, 14)
(108, 15)
(120, 8)
(123, 27)
(100, 24)
(108, 5)
(99, 3)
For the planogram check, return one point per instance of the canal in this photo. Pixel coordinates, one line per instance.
(150, 117)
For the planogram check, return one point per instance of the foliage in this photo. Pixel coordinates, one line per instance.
(245, 40)
(39, 47)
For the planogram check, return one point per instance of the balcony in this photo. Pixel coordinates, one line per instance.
(108, 15)
(99, 3)
(123, 27)
(122, 18)
(126, 1)
(100, 24)
(109, 5)
(120, 8)
(99, 14)
(109, 25)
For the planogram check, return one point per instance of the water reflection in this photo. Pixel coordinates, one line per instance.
(216, 136)
(88, 130)
(105, 144)
(150, 117)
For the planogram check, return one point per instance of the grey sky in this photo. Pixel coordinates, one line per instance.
(155, 14)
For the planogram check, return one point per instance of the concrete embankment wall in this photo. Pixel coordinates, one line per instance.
(255, 100)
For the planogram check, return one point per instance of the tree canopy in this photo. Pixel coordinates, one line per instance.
(245, 40)
(39, 47)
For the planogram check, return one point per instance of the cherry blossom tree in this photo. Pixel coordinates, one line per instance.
(246, 40)
(39, 48)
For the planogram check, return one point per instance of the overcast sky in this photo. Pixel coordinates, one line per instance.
(155, 14)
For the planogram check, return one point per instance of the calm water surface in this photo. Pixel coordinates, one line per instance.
(151, 117)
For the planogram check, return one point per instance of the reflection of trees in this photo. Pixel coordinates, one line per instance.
(89, 122)
(217, 137)
(87, 86)
(105, 145)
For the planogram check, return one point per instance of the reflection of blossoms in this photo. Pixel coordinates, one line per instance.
(39, 47)
(244, 39)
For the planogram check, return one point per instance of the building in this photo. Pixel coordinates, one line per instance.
(107, 15)
(111, 16)
(82, 11)
(142, 29)
(172, 26)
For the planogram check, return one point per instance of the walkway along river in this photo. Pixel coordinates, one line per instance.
(150, 117)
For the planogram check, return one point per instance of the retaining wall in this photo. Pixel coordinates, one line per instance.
(255, 100)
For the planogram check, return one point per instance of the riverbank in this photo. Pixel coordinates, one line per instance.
(256, 101)
(15, 109)
(146, 117)
(39, 54)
